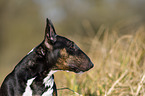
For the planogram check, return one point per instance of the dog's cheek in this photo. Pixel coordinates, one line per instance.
(62, 61)
(61, 65)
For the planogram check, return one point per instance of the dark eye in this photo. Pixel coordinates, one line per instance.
(71, 45)
(71, 48)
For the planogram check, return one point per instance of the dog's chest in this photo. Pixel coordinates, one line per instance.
(47, 86)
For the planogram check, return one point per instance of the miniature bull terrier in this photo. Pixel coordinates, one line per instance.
(33, 75)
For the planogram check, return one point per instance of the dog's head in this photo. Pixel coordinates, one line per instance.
(63, 53)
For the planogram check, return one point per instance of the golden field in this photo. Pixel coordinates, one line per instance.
(119, 65)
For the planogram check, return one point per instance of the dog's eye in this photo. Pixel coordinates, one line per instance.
(71, 46)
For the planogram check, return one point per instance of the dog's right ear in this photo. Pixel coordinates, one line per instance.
(50, 34)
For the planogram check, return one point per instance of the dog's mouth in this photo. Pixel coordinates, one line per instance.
(76, 70)
(80, 69)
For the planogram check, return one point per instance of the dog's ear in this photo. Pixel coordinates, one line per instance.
(50, 34)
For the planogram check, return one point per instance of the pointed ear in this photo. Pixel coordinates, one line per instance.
(50, 34)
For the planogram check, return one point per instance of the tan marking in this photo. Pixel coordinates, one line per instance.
(62, 61)
(63, 52)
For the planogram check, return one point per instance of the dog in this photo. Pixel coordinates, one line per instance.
(33, 75)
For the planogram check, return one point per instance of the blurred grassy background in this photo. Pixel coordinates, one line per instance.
(111, 32)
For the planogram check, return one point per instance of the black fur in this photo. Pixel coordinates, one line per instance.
(54, 53)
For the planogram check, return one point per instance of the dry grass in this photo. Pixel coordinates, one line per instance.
(119, 66)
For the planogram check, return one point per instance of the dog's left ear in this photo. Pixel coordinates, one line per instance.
(50, 34)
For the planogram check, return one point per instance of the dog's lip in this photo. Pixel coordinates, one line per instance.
(75, 69)
(78, 70)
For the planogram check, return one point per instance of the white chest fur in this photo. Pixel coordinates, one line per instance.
(28, 90)
(48, 82)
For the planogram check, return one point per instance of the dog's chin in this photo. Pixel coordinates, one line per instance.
(78, 71)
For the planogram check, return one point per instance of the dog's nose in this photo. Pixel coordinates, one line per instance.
(91, 65)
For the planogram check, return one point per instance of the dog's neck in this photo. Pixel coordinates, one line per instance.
(36, 63)
(39, 76)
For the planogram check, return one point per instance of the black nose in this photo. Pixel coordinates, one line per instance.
(91, 65)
